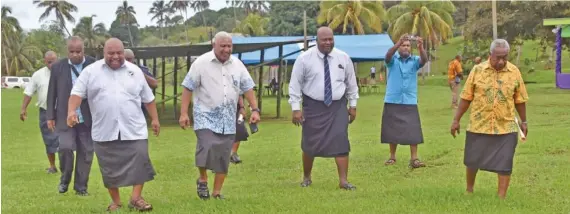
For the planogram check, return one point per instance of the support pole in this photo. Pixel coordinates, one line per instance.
(279, 81)
(260, 82)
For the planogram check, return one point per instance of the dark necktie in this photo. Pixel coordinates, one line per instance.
(328, 88)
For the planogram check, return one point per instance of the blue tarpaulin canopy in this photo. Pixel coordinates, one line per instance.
(359, 47)
(362, 48)
(270, 53)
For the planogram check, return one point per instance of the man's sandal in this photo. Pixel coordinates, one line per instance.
(306, 183)
(348, 186)
(140, 205)
(416, 163)
(114, 207)
(390, 162)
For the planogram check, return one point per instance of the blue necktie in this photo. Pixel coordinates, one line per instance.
(328, 89)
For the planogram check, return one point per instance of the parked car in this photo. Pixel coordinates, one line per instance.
(10, 82)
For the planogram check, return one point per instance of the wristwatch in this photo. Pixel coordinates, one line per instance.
(255, 109)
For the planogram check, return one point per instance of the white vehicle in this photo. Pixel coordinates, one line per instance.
(15, 82)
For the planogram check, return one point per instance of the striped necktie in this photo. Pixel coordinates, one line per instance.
(328, 88)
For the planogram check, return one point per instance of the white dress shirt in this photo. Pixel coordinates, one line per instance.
(115, 98)
(308, 77)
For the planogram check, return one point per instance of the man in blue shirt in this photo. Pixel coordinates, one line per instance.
(401, 119)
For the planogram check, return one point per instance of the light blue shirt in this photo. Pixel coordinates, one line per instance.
(216, 87)
(79, 68)
(115, 98)
(402, 80)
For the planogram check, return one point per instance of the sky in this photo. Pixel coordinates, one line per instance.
(28, 14)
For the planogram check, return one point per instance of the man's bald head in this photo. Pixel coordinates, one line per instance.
(114, 42)
(75, 50)
(49, 58)
(129, 55)
(477, 60)
(325, 40)
(114, 53)
(324, 30)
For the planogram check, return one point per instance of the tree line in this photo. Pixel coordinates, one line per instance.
(435, 21)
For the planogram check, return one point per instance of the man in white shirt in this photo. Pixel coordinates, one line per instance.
(115, 89)
(39, 85)
(216, 79)
(323, 79)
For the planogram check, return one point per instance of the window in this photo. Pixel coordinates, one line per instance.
(26, 79)
(12, 79)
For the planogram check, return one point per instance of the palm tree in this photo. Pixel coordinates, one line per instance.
(199, 6)
(10, 28)
(20, 55)
(92, 35)
(160, 10)
(62, 10)
(126, 15)
(9, 23)
(182, 7)
(252, 25)
(430, 20)
(233, 4)
(252, 6)
(354, 13)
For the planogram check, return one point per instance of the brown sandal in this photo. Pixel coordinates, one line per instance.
(390, 162)
(416, 163)
(114, 207)
(140, 205)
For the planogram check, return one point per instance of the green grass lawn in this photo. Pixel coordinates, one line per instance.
(268, 179)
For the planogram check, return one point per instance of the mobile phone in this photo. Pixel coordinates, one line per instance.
(240, 119)
(253, 128)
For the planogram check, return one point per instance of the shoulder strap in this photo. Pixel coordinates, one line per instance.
(74, 71)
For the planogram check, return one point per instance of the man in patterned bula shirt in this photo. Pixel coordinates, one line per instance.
(216, 79)
(494, 90)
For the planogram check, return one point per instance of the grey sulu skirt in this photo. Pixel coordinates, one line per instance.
(325, 130)
(401, 125)
(124, 162)
(213, 150)
(488, 152)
